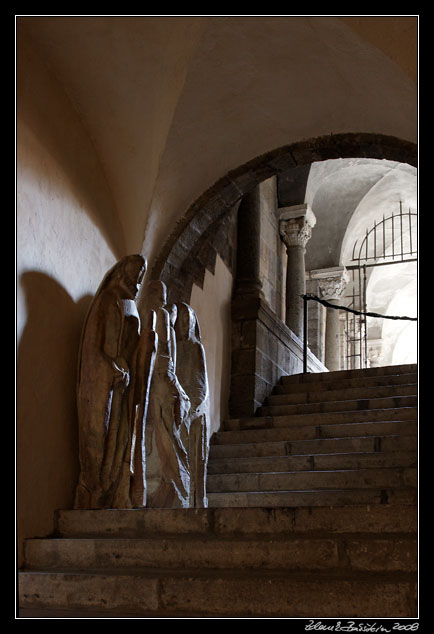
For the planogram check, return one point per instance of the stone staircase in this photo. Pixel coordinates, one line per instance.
(312, 514)
(335, 438)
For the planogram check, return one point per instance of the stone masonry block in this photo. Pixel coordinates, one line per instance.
(244, 361)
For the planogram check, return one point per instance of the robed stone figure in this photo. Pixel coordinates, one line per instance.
(168, 421)
(107, 392)
(192, 374)
(142, 398)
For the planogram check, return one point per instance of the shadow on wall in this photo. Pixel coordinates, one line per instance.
(47, 432)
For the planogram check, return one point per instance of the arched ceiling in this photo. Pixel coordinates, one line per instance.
(347, 196)
(173, 103)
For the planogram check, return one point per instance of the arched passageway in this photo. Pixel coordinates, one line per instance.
(291, 163)
(347, 180)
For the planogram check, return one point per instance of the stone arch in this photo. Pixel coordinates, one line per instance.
(193, 245)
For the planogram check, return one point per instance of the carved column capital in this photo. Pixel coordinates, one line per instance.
(295, 225)
(332, 282)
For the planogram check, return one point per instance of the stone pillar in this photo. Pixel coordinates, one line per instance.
(249, 245)
(263, 347)
(295, 230)
(246, 392)
(316, 320)
(332, 283)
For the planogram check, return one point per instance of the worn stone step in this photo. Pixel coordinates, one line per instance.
(324, 418)
(347, 394)
(384, 444)
(148, 522)
(304, 480)
(194, 552)
(338, 406)
(219, 593)
(357, 551)
(324, 497)
(317, 446)
(314, 432)
(312, 462)
(391, 370)
(323, 385)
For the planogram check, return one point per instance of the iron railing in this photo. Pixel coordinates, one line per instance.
(310, 297)
(393, 240)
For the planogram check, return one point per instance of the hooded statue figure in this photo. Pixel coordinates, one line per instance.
(192, 374)
(167, 428)
(105, 388)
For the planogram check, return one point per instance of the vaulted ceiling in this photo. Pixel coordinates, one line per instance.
(172, 103)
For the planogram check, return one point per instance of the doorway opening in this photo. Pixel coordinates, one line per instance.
(366, 340)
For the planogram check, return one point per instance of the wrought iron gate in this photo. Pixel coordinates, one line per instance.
(391, 241)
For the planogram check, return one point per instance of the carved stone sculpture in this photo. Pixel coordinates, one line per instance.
(145, 362)
(167, 429)
(192, 374)
(106, 391)
(143, 435)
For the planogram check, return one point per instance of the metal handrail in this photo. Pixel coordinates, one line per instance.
(310, 297)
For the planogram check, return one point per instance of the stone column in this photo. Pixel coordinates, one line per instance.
(247, 388)
(332, 283)
(295, 230)
(249, 245)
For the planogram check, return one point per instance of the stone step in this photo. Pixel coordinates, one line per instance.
(308, 480)
(312, 462)
(221, 593)
(346, 394)
(324, 384)
(293, 552)
(315, 432)
(338, 406)
(391, 370)
(147, 522)
(318, 446)
(324, 418)
(324, 497)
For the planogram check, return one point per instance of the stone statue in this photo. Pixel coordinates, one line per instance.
(106, 388)
(145, 362)
(167, 428)
(192, 374)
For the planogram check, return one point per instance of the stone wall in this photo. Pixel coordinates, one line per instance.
(263, 350)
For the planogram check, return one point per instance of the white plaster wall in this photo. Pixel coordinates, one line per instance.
(67, 224)
(124, 76)
(392, 290)
(67, 237)
(212, 306)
